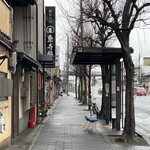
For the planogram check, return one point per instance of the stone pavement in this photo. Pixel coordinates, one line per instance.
(63, 129)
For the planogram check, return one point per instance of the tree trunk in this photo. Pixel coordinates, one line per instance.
(89, 83)
(76, 95)
(85, 91)
(129, 129)
(81, 91)
(128, 134)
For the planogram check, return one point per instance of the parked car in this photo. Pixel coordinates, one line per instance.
(139, 91)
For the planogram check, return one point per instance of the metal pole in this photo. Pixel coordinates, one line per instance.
(139, 78)
(122, 91)
(37, 59)
(67, 68)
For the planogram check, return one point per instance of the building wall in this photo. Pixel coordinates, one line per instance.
(145, 73)
(5, 109)
(5, 105)
(5, 14)
(25, 29)
(146, 61)
(57, 57)
(24, 101)
(40, 25)
(23, 98)
(33, 90)
(25, 32)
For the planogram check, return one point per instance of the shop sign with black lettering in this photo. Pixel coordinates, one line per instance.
(50, 31)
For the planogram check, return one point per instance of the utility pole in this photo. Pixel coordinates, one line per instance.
(67, 67)
(81, 22)
(139, 75)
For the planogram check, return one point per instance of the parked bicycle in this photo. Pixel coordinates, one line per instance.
(94, 110)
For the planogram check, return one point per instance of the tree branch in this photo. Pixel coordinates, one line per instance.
(138, 10)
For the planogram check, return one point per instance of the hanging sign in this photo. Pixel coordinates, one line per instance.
(50, 31)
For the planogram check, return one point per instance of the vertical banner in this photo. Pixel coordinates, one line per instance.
(50, 31)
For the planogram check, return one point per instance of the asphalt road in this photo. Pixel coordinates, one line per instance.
(142, 115)
(142, 112)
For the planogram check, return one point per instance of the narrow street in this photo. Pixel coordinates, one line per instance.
(64, 129)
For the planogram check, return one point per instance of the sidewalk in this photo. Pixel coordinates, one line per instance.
(64, 129)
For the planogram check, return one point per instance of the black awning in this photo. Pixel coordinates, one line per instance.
(95, 55)
(20, 3)
(47, 61)
(27, 61)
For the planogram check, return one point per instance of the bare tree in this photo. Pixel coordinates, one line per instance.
(87, 34)
(124, 15)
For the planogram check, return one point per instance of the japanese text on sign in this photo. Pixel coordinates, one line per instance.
(50, 31)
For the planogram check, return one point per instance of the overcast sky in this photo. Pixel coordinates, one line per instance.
(140, 41)
(139, 38)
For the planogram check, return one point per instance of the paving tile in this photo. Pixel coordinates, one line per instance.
(64, 130)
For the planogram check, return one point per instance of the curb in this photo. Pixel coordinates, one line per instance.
(31, 137)
(36, 134)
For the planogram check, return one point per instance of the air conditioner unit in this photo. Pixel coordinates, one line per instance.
(13, 60)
